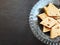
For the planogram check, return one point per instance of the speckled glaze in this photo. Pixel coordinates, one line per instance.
(33, 21)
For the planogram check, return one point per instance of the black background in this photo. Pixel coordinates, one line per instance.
(14, 26)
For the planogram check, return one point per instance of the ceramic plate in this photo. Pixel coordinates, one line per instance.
(36, 28)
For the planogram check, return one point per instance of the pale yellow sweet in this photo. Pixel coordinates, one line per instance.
(48, 22)
(58, 17)
(55, 31)
(52, 10)
(42, 16)
(45, 29)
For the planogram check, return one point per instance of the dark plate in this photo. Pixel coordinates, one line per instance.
(36, 28)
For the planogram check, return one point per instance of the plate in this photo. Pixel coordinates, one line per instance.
(33, 21)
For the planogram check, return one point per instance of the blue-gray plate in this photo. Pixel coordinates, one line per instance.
(36, 28)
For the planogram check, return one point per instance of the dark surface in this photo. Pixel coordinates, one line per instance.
(14, 27)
